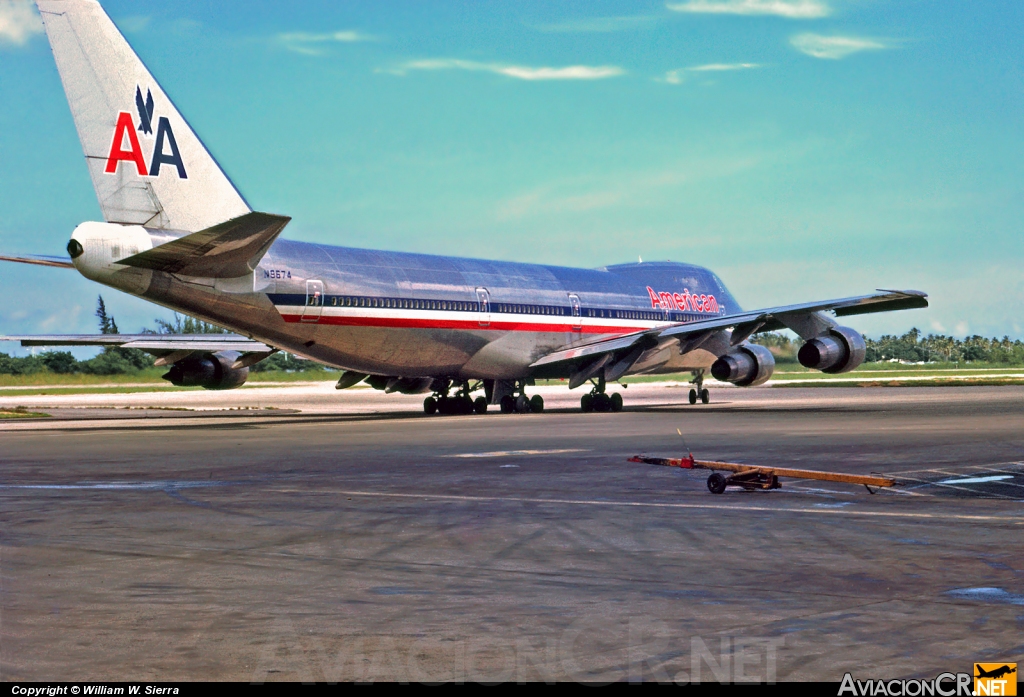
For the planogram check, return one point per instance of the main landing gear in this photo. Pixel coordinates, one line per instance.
(441, 402)
(599, 400)
(455, 399)
(520, 403)
(699, 392)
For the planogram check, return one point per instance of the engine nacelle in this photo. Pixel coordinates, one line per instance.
(746, 365)
(397, 384)
(211, 371)
(839, 351)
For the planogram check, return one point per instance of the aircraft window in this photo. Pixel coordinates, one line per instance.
(462, 307)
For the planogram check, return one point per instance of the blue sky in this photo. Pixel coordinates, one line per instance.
(804, 149)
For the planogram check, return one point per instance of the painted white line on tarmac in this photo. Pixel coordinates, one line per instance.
(1019, 520)
(510, 453)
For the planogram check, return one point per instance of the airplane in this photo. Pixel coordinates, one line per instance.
(178, 233)
(995, 673)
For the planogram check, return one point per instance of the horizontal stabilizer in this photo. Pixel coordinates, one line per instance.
(40, 260)
(228, 250)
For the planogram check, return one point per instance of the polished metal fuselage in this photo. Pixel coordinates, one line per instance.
(417, 315)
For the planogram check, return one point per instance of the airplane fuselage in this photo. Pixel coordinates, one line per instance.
(418, 315)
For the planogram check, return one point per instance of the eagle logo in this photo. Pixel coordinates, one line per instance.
(145, 109)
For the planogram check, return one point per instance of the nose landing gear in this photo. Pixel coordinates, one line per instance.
(599, 400)
(699, 392)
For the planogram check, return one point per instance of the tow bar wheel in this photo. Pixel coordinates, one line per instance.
(716, 483)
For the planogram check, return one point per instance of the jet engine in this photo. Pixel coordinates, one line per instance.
(839, 351)
(746, 365)
(211, 371)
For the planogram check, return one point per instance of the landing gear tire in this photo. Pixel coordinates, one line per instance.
(716, 483)
(430, 405)
(523, 404)
(587, 403)
(508, 404)
(480, 405)
(536, 404)
(602, 402)
(616, 402)
(705, 396)
(693, 396)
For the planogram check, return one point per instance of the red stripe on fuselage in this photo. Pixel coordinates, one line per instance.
(505, 326)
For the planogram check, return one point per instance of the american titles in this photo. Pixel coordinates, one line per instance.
(684, 302)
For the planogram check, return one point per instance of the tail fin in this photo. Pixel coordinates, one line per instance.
(147, 165)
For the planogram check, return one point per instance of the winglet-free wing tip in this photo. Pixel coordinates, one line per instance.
(915, 293)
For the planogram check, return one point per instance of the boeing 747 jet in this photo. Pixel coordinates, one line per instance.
(177, 232)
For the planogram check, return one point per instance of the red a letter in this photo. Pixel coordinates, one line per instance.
(125, 125)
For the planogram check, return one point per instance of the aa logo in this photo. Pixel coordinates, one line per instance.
(995, 678)
(125, 146)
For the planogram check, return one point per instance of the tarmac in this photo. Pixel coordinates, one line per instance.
(299, 533)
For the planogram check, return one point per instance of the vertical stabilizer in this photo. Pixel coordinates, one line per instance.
(147, 165)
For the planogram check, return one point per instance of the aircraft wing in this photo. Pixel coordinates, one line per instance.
(156, 344)
(41, 260)
(744, 324)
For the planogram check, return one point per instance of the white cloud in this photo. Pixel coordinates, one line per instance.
(602, 25)
(834, 47)
(310, 44)
(723, 66)
(791, 9)
(520, 72)
(18, 22)
(678, 76)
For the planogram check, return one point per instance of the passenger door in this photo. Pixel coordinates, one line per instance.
(484, 297)
(314, 301)
(577, 313)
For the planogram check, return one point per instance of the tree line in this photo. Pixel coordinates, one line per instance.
(913, 347)
(116, 360)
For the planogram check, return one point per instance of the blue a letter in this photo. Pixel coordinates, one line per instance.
(158, 152)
